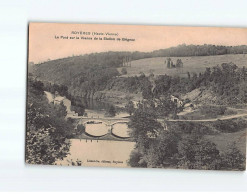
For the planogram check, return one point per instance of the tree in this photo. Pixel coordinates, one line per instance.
(61, 110)
(165, 107)
(233, 159)
(123, 71)
(144, 126)
(147, 92)
(169, 63)
(163, 150)
(136, 159)
(172, 65)
(80, 129)
(111, 111)
(48, 133)
(130, 107)
(196, 153)
(188, 73)
(162, 85)
(179, 63)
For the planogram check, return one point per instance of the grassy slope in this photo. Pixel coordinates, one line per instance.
(192, 64)
(223, 139)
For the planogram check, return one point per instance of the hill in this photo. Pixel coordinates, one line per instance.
(191, 64)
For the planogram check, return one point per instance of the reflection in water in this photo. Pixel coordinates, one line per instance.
(95, 105)
(96, 129)
(121, 129)
(99, 153)
(89, 104)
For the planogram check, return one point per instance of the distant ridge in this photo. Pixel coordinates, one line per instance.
(183, 50)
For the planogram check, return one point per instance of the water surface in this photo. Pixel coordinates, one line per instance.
(99, 153)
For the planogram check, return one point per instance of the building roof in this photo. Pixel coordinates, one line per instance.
(59, 98)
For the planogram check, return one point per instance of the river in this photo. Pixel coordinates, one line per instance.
(97, 152)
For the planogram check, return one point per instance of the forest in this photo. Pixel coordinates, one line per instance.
(226, 81)
(199, 50)
(184, 145)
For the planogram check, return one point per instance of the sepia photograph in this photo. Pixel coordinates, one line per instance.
(136, 96)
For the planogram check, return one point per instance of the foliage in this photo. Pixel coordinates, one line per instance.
(111, 111)
(227, 82)
(53, 88)
(80, 129)
(163, 150)
(47, 133)
(212, 111)
(199, 50)
(123, 71)
(192, 128)
(78, 105)
(233, 159)
(143, 125)
(129, 84)
(164, 107)
(130, 107)
(229, 126)
(170, 64)
(136, 159)
(197, 153)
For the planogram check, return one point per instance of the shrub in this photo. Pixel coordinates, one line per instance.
(233, 159)
(124, 71)
(136, 159)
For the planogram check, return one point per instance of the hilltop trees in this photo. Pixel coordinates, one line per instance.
(179, 63)
(170, 64)
(199, 50)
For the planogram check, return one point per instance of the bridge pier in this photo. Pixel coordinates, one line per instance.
(110, 129)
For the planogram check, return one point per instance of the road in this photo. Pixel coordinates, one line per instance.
(213, 119)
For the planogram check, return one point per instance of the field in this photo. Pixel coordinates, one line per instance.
(191, 64)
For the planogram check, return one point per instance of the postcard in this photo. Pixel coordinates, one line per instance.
(136, 96)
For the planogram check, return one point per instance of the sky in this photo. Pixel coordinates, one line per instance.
(46, 41)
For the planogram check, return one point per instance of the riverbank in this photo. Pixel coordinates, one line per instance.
(91, 113)
(117, 98)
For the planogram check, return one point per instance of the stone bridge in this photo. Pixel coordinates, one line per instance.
(109, 122)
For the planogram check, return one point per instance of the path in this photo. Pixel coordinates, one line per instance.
(213, 119)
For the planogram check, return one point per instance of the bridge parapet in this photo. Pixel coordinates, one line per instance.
(106, 121)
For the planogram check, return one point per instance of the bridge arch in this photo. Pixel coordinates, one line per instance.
(120, 129)
(96, 128)
(117, 122)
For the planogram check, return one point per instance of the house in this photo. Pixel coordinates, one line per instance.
(177, 101)
(58, 100)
